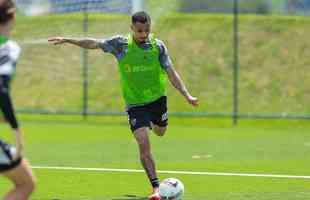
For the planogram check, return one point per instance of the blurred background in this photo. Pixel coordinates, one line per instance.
(242, 59)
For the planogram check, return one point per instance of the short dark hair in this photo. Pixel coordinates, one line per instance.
(141, 17)
(7, 11)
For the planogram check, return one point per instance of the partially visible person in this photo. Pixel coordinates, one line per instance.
(12, 165)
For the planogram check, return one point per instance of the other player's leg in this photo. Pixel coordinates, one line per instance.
(23, 180)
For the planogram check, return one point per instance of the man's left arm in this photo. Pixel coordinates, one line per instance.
(177, 82)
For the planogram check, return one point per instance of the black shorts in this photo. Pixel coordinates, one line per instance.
(142, 116)
(6, 157)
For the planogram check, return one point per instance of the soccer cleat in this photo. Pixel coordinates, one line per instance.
(154, 196)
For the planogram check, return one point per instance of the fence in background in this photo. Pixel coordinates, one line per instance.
(240, 103)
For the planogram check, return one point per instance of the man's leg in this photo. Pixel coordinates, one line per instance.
(159, 116)
(159, 130)
(148, 163)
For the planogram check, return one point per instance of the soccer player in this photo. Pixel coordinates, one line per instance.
(12, 165)
(144, 65)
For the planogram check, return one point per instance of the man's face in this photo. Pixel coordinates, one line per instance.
(141, 31)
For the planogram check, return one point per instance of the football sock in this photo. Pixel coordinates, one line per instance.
(155, 182)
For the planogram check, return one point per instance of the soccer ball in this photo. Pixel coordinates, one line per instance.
(171, 189)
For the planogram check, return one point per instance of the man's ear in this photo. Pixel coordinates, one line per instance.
(132, 27)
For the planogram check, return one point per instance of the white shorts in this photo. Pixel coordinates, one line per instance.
(6, 157)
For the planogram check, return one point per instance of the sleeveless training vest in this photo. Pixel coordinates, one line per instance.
(143, 79)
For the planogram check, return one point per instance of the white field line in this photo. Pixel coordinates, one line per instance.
(173, 172)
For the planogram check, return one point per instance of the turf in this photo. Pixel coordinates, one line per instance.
(243, 149)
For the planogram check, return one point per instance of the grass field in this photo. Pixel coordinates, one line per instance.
(250, 148)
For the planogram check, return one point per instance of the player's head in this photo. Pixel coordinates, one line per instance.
(141, 26)
(7, 11)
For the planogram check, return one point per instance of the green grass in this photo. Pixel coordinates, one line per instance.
(249, 148)
(274, 72)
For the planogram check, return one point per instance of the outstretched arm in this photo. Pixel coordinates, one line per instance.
(177, 82)
(86, 43)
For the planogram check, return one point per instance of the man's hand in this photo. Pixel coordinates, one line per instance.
(192, 100)
(56, 40)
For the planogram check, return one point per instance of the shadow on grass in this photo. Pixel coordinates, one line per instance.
(130, 197)
(125, 197)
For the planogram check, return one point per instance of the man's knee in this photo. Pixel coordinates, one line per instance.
(160, 131)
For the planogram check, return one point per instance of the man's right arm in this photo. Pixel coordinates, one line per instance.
(86, 43)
